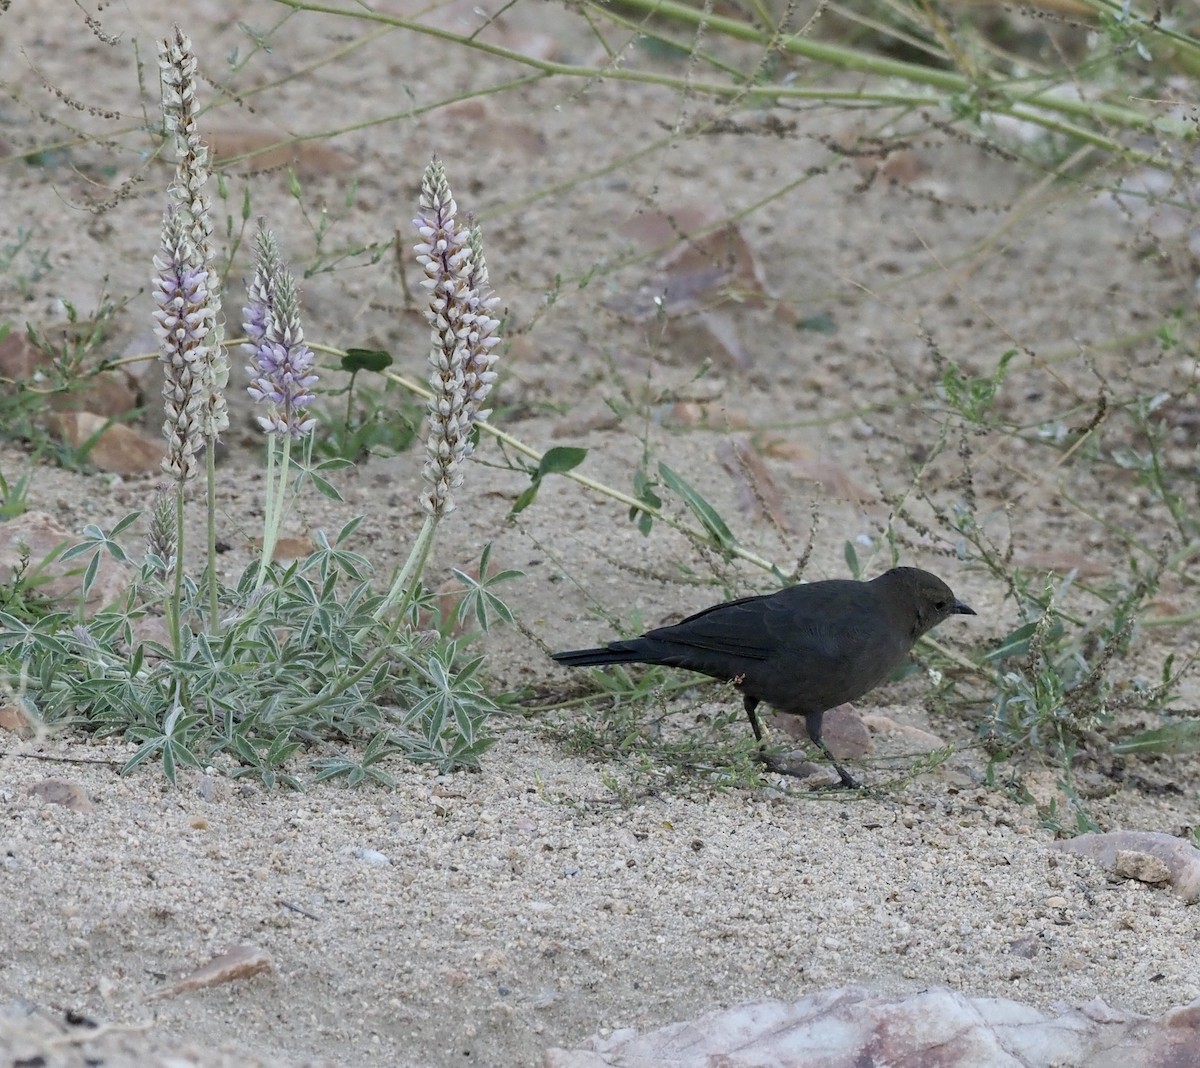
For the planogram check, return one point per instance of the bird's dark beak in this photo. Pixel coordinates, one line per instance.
(961, 609)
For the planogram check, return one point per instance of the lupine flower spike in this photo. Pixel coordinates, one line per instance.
(461, 357)
(281, 376)
(281, 368)
(177, 66)
(160, 541)
(463, 334)
(185, 326)
(187, 292)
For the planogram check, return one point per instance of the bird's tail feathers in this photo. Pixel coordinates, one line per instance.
(589, 657)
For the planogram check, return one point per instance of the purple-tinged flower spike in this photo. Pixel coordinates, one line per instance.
(185, 326)
(282, 369)
(461, 333)
(177, 66)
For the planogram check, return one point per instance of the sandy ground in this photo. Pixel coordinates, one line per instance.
(482, 918)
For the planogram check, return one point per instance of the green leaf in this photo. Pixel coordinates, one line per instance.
(560, 459)
(507, 575)
(1017, 643)
(1181, 737)
(557, 461)
(117, 552)
(128, 521)
(643, 490)
(89, 576)
(699, 507)
(526, 498)
(366, 360)
(281, 748)
(485, 558)
(324, 487)
(79, 550)
(852, 562)
(348, 529)
(334, 463)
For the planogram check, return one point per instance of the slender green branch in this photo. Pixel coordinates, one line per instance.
(1036, 107)
(589, 483)
(279, 456)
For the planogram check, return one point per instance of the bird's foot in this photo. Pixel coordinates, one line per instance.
(846, 781)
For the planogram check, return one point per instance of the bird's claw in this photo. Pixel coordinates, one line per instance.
(846, 781)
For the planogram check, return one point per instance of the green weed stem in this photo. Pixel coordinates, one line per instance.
(589, 483)
(1038, 106)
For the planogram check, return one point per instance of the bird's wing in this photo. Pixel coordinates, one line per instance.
(757, 628)
(734, 628)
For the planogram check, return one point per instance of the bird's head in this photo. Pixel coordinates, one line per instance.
(926, 598)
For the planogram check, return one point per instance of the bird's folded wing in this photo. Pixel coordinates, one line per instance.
(756, 628)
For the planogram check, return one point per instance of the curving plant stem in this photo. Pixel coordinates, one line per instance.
(1035, 104)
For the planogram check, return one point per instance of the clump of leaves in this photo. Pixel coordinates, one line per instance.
(296, 659)
(295, 668)
(376, 421)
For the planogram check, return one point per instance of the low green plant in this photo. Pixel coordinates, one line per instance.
(375, 422)
(13, 497)
(21, 593)
(68, 366)
(282, 674)
(308, 658)
(22, 264)
(1057, 682)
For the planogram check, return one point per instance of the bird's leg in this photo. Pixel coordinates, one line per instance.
(768, 761)
(813, 724)
(751, 703)
(765, 758)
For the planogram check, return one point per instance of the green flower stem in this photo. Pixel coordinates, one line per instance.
(269, 520)
(210, 457)
(404, 584)
(278, 457)
(174, 622)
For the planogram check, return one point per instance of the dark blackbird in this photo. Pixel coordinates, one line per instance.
(803, 650)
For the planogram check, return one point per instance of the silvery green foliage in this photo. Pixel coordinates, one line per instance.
(248, 705)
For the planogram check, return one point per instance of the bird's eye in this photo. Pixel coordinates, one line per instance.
(941, 606)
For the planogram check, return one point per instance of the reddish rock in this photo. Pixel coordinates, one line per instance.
(117, 448)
